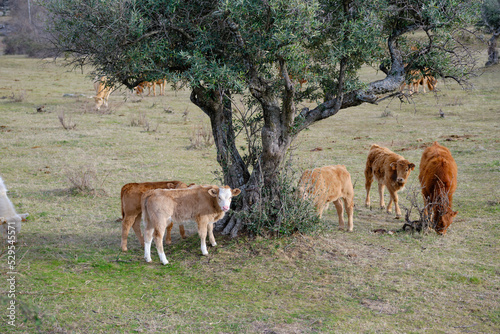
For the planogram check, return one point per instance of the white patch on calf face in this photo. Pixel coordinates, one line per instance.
(224, 198)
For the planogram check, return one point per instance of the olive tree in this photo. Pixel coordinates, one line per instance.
(261, 49)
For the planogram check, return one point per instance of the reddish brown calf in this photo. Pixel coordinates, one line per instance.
(390, 170)
(438, 178)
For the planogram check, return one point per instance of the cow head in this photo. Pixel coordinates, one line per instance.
(304, 185)
(224, 196)
(445, 221)
(403, 169)
(99, 101)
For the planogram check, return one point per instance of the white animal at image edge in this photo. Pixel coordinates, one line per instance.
(8, 214)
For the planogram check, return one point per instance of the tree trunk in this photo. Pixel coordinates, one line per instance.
(492, 50)
(218, 107)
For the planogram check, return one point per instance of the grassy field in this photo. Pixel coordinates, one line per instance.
(72, 278)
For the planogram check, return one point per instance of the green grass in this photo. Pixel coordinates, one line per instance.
(72, 276)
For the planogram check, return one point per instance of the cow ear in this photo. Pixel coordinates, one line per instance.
(213, 192)
(393, 165)
(170, 185)
(454, 213)
(412, 166)
(236, 191)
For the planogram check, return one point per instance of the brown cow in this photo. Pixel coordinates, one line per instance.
(131, 207)
(390, 170)
(329, 184)
(102, 92)
(438, 178)
(418, 78)
(203, 204)
(139, 89)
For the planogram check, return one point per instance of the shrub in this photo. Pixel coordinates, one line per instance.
(84, 180)
(284, 214)
(201, 137)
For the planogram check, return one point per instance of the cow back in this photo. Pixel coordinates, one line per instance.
(438, 170)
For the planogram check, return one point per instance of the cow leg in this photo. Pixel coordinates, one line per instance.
(349, 208)
(381, 188)
(340, 213)
(137, 229)
(168, 239)
(127, 223)
(426, 207)
(202, 232)
(148, 238)
(368, 185)
(394, 198)
(210, 228)
(158, 236)
(320, 207)
(182, 231)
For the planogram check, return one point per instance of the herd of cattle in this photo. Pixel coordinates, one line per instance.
(103, 90)
(161, 204)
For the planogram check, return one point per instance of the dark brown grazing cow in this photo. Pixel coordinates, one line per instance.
(390, 170)
(131, 207)
(438, 178)
(161, 208)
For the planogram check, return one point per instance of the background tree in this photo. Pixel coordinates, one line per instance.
(261, 49)
(490, 12)
(26, 29)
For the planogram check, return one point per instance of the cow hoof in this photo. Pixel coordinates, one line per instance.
(124, 249)
(397, 217)
(168, 242)
(147, 260)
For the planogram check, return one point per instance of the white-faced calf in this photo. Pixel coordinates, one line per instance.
(203, 204)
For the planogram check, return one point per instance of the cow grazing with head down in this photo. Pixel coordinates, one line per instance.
(139, 89)
(203, 204)
(131, 194)
(438, 179)
(390, 170)
(329, 184)
(102, 92)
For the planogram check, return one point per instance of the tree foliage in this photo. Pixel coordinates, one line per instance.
(261, 49)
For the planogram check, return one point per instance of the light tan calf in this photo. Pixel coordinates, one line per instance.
(390, 170)
(102, 92)
(203, 204)
(329, 184)
(131, 194)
